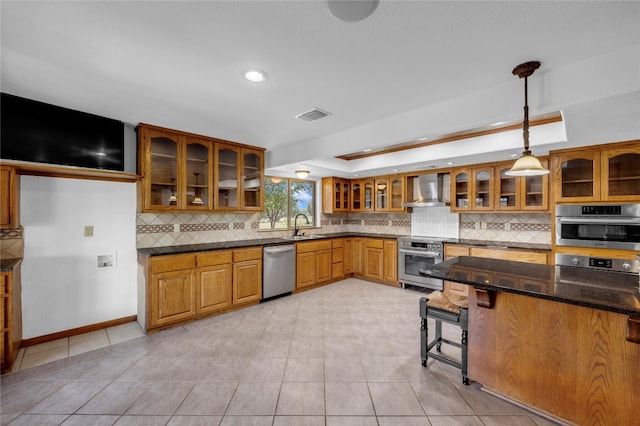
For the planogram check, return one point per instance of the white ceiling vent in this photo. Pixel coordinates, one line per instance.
(313, 115)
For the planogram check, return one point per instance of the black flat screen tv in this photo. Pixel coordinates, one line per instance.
(43, 133)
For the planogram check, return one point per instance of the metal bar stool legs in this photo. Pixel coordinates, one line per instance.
(441, 309)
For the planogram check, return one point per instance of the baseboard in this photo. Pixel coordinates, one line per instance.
(76, 331)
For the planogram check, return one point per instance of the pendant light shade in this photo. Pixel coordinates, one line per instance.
(527, 165)
(302, 173)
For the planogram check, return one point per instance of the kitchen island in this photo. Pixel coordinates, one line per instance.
(561, 340)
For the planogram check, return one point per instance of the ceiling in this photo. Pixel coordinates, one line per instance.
(412, 70)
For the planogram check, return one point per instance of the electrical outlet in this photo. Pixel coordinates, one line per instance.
(88, 231)
(477, 225)
(507, 226)
(106, 261)
(483, 225)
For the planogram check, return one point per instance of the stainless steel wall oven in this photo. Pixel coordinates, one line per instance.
(417, 253)
(606, 226)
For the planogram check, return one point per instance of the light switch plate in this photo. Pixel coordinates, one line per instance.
(88, 231)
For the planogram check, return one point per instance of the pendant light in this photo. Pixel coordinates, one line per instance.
(527, 165)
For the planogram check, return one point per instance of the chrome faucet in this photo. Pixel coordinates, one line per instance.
(295, 223)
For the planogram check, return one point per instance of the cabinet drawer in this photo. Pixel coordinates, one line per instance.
(337, 255)
(173, 263)
(337, 243)
(313, 246)
(454, 250)
(253, 253)
(218, 257)
(373, 243)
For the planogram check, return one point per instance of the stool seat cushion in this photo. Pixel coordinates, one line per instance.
(447, 302)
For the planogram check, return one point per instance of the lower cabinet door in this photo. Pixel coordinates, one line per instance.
(214, 288)
(323, 266)
(305, 269)
(172, 297)
(247, 281)
(373, 263)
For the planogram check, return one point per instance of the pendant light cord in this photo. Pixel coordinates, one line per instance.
(525, 124)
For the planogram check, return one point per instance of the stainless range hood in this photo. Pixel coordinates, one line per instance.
(431, 190)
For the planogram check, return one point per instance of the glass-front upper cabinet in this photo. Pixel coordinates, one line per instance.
(252, 179)
(227, 180)
(382, 191)
(483, 189)
(576, 176)
(367, 188)
(621, 174)
(159, 152)
(198, 176)
(460, 188)
(356, 196)
(396, 192)
(535, 191)
(508, 193)
(346, 200)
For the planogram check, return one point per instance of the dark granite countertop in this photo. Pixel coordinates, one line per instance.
(504, 244)
(9, 263)
(605, 290)
(193, 248)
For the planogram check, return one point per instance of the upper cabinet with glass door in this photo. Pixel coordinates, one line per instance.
(178, 172)
(519, 193)
(599, 173)
(396, 194)
(336, 195)
(239, 178)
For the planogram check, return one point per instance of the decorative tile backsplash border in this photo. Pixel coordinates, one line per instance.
(12, 243)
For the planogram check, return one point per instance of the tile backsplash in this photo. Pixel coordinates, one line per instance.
(12, 243)
(521, 227)
(168, 229)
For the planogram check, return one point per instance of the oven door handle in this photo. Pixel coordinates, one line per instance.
(420, 253)
(598, 221)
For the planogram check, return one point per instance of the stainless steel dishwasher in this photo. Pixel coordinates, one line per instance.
(279, 270)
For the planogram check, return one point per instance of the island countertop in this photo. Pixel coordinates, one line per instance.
(605, 290)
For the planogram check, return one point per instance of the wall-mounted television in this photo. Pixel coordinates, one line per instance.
(43, 133)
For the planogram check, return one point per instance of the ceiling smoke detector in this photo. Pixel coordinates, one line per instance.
(313, 115)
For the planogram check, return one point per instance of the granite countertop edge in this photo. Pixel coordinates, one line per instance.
(436, 273)
(194, 248)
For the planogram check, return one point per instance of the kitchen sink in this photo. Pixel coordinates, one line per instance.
(304, 237)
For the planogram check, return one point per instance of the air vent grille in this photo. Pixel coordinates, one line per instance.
(313, 115)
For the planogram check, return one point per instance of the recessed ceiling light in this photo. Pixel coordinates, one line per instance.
(356, 175)
(514, 155)
(255, 76)
(450, 163)
(423, 139)
(366, 150)
(497, 123)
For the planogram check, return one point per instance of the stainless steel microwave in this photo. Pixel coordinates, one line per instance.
(603, 225)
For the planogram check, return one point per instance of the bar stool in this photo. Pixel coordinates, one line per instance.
(452, 309)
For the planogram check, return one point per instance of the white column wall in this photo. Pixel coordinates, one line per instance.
(62, 287)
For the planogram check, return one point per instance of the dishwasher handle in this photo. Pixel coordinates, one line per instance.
(278, 249)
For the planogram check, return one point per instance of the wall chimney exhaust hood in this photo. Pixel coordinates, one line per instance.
(431, 190)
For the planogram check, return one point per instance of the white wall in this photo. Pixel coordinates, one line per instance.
(62, 288)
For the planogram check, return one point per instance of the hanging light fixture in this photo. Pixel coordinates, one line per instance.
(527, 165)
(302, 173)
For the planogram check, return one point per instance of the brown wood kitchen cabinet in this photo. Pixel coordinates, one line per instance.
(184, 287)
(361, 195)
(187, 172)
(247, 275)
(10, 316)
(9, 198)
(380, 260)
(520, 193)
(353, 254)
(336, 195)
(597, 173)
(313, 263)
(472, 189)
(337, 258)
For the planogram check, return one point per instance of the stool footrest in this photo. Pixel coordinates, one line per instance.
(444, 359)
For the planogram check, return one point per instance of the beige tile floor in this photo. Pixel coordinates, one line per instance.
(344, 354)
